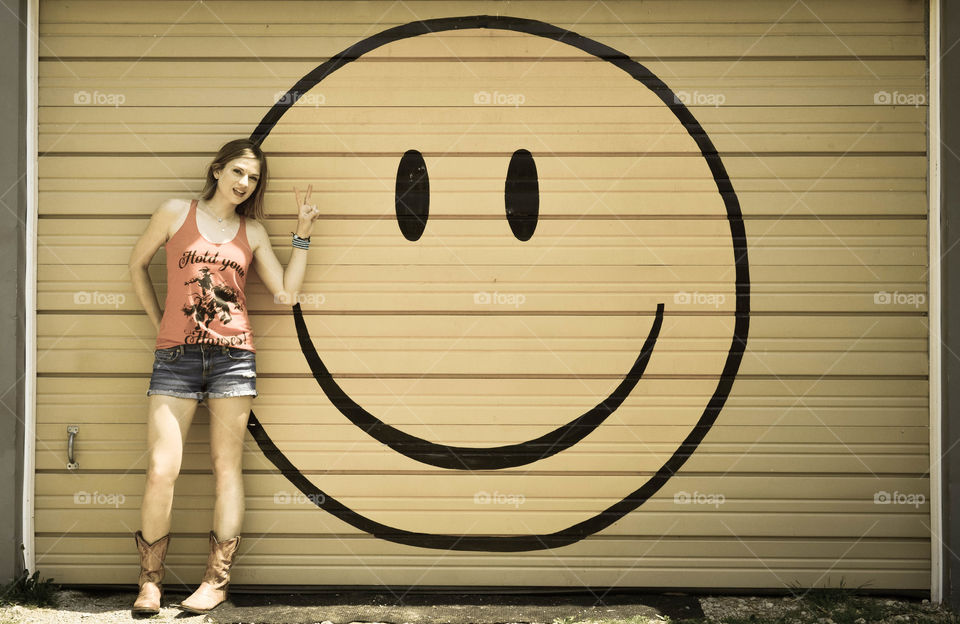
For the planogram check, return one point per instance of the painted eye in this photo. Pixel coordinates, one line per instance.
(412, 195)
(521, 195)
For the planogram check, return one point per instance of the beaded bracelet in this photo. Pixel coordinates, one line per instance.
(301, 243)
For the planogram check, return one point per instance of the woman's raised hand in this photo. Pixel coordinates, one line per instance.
(307, 213)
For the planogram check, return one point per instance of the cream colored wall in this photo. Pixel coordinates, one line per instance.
(828, 410)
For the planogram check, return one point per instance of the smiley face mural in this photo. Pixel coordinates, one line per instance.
(521, 205)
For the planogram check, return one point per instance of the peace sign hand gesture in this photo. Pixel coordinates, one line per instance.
(307, 213)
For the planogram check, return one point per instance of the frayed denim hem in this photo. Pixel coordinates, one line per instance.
(199, 396)
(180, 395)
(229, 395)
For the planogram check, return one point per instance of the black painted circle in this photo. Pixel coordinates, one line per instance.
(521, 195)
(603, 519)
(412, 195)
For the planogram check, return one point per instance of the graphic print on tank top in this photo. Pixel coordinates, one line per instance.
(214, 301)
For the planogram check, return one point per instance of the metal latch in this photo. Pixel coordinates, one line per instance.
(72, 431)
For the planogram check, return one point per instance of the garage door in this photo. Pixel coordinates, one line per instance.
(604, 294)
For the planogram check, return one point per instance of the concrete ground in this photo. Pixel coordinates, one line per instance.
(423, 608)
(104, 606)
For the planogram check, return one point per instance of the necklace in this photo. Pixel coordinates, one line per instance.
(219, 219)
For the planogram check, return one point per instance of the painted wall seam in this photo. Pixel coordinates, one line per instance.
(30, 288)
(933, 243)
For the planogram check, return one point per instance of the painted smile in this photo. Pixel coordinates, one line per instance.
(468, 457)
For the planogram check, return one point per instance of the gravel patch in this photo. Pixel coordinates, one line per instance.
(73, 607)
(813, 608)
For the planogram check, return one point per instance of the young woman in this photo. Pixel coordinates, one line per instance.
(204, 350)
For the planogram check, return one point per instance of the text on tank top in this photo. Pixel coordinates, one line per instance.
(205, 302)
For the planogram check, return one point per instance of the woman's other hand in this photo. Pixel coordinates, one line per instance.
(307, 213)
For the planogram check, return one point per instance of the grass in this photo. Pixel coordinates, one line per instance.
(841, 604)
(29, 590)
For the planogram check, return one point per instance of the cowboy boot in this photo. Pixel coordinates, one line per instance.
(151, 574)
(213, 588)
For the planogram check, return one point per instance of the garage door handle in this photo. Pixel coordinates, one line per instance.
(72, 431)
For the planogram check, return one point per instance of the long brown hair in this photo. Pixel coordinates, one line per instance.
(239, 148)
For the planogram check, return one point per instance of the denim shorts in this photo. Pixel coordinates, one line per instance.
(199, 371)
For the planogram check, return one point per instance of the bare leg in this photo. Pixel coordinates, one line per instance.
(228, 426)
(168, 421)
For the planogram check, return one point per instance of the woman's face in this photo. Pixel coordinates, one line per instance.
(238, 178)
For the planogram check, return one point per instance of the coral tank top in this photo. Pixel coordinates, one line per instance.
(205, 303)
